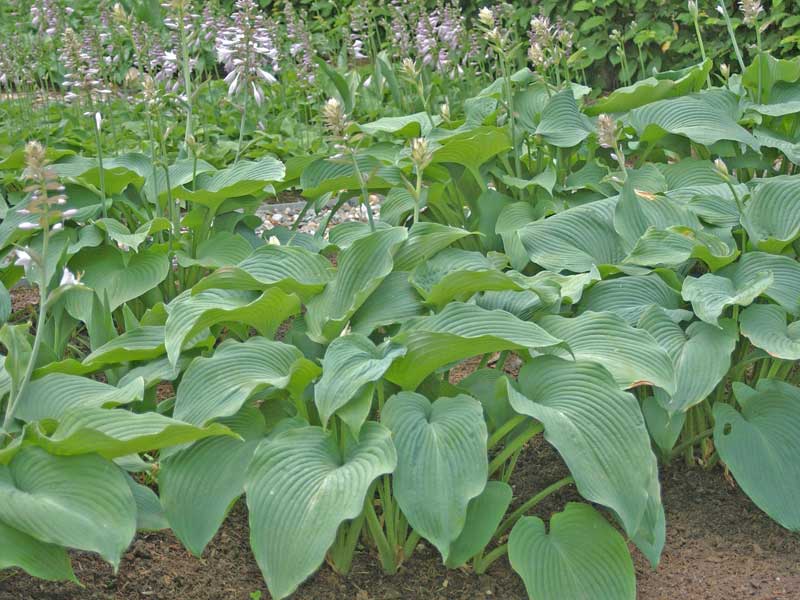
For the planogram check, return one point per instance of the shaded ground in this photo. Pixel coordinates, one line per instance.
(719, 547)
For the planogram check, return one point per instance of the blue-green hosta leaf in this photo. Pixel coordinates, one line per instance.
(393, 301)
(300, 487)
(149, 514)
(664, 427)
(711, 294)
(407, 126)
(563, 124)
(773, 70)
(765, 326)
(218, 386)
(243, 178)
(181, 172)
(785, 287)
(632, 355)
(484, 514)
(582, 557)
(786, 144)
(53, 395)
(638, 211)
(701, 355)
(199, 484)
(119, 171)
(761, 444)
(425, 240)
(458, 274)
(122, 236)
(362, 267)
(458, 332)
(472, 149)
(579, 240)
(332, 175)
(772, 216)
(80, 502)
(189, 314)
(155, 371)
(291, 268)
(690, 117)
(119, 275)
(223, 249)
(667, 84)
(351, 363)
(142, 343)
(599, 431)
(344, 234)
(629, 297)
(441, 462)
(39, 559)
(674, 246)
(115, 433)
(5, 304)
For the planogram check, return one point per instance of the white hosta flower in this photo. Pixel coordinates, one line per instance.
(98, 120)
(24, 259)
(27, 226)
(68, 278)
(273, 241)
(69, 213)
(58, 227)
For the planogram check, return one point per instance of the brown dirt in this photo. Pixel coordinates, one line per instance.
(719, 547)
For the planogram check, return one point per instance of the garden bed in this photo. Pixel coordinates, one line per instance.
(719, 546)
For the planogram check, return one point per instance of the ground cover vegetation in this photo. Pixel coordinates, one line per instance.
(632, 251)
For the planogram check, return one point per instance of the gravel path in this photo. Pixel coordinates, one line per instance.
(286, 214)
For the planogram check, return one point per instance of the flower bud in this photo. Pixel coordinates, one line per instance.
(486, 17)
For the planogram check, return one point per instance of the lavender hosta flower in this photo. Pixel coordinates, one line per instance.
(246, 47)
(301, 48)
(45, 17)
(399, 26)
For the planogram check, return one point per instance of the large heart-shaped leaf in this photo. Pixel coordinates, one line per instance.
(441, 462)
(598, 430)
(711, 294)
(785, 270)
(53, 395)
(765, 326)
(218, 386)
(243, 178)
(458, 332)
(114, 433)
(189, 314)
(691, 117)
(701, 355)
(772, 216)
(761, 444)
(351, 364)
(630, 297)
(291, 268)
(42, 560)
(75, 501)
(579, 240)
(563, 125)
(393, 301)
(362, 267)
(631, 355)
(119, 276)
(582, 557)
(198, 484)
(484, 514)
(300, 487)
(141, 343)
